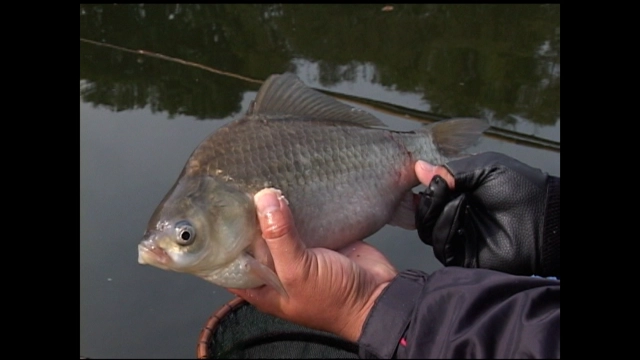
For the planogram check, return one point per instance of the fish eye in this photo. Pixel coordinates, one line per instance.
(186, 234)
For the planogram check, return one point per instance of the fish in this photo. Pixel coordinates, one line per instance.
(343, 172)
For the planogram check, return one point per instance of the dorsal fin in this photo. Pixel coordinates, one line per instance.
(286, 95)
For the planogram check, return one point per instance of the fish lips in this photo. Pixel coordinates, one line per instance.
(150, 253)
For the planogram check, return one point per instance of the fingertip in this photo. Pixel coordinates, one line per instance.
(273, 213)
(424, 171)
(267, 200)
(424, 166)
(446, 175)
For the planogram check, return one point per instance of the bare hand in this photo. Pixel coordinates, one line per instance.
(327, 290)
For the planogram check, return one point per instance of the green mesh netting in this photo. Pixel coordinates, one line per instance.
(242, 332)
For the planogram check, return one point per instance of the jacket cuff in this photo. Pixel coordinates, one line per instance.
(394, 308)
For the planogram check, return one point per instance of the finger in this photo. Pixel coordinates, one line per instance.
(249, 294)
(264, 298)
(352, 248)
(361, 249)
(430, 208)
(370, 259)
(278, 230)
(425, 172)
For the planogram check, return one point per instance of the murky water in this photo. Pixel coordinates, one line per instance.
(141, 116)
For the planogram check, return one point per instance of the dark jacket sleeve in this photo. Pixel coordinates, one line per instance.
(550, 247)
(464, 313)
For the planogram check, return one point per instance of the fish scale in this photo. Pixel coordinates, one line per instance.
(306, 173)
(344, 176)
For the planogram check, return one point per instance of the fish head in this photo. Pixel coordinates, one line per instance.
(202, 224)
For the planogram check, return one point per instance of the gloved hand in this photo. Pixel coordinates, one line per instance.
(502, 215)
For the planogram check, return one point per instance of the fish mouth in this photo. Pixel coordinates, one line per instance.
(152, 254)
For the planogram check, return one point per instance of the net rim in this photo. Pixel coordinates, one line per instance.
(202, 350)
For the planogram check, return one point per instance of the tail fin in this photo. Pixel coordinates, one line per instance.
(452, 137)
(446, 140)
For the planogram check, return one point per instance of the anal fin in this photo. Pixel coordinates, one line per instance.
(404, 216)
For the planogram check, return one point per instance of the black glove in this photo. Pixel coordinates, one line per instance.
(503, 215)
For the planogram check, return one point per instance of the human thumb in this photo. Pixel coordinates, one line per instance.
(425, 172)
(278, 229)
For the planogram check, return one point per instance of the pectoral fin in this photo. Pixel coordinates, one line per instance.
(260, 251)
(265, 274)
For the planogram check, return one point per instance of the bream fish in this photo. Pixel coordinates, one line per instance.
(344, 175)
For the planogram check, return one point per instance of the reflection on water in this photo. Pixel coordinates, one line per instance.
(464, 60)
(140, 118)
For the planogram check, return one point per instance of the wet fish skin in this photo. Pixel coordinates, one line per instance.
(344, 180)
